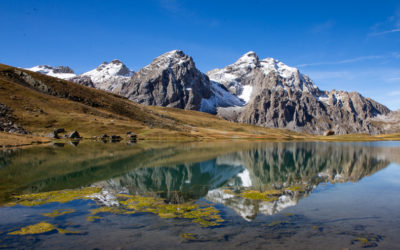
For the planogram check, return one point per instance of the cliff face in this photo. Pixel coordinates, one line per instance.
(277, 95)
(171, 80)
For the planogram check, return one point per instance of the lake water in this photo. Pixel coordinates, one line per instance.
(205, 195)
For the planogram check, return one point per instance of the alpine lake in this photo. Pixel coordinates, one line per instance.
(201, 195)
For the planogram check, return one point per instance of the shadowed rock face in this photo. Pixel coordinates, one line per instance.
(171, 80)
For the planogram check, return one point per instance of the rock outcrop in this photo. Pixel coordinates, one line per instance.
(8, 121)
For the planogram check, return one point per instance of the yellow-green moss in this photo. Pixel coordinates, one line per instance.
(93, 218)
(204, 216)
(275, 223)
(62, 196)
(64, 231)
(362, 240)
(189, 236)
(59, 212)
(39, 228)
(228, 191)
(269, 195)
(111, 210)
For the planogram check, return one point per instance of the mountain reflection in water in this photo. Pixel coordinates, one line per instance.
(229, 184)
(294, 168)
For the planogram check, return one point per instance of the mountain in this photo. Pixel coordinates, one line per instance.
(172, 80)
(62, 72)
(264, 92)
(277, 95)
(38, 104)
(107, 76)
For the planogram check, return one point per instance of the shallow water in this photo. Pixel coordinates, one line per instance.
(296, 195)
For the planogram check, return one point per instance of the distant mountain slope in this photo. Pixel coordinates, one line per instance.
(63, 72)
(107, 76)
(41, 103)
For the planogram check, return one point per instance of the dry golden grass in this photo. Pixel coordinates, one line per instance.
(94, 112)
(16, 140)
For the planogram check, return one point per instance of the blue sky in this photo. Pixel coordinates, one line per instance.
(348, 45)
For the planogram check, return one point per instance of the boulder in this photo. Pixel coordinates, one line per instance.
(115, 138)
(74, 135)
(59, 130)
(56, 132)
(329, 133)
(132, 137)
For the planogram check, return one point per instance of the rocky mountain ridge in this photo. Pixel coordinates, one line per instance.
(264, 92)
(280, 96)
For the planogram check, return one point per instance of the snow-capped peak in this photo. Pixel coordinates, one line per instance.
(62, 72)
(106, 71)
(250, 58)
(270, 64)
(169, 59)
(234, 77)
(110, 76)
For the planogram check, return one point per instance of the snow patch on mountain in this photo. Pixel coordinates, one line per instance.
(61, 72)
(246, 93)
(245, 178)
(220, 98)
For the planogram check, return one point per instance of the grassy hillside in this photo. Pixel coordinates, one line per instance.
(41, 103)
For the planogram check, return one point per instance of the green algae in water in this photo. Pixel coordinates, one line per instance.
(64, 231)
(112, 210)
(189, 236)
(59, 212)
(278, 223)
(367, 240)
(130, 204)
(62, 196)
(39, 228)
(93, 218)
(269, 195)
